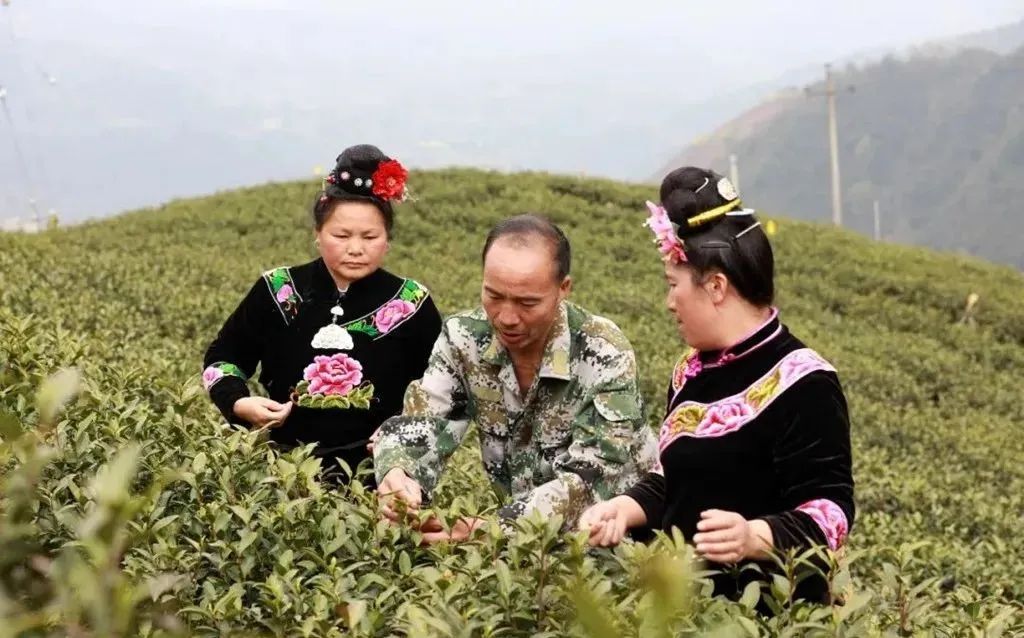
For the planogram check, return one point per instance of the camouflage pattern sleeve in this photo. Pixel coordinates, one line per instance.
(432, 424)
(611, 445)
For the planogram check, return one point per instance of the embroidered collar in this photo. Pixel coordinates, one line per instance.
(555, 362)
(373, 300)
(694, 362)
(749, 343)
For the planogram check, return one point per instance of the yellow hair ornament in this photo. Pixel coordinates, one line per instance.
(697, 220)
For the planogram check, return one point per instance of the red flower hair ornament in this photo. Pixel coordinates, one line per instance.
(389, 180)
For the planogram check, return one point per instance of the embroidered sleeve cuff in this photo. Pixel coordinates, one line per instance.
(818, 522)
(830, 518)
(217, 372)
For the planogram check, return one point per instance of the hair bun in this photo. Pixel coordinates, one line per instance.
(680, 205)
(362, 158)
(690, 191)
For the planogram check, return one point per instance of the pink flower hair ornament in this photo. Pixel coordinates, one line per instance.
(669, 244)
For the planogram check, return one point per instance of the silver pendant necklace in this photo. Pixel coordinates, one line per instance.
(332, 336)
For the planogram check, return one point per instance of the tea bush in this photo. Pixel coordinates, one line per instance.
(128, 508)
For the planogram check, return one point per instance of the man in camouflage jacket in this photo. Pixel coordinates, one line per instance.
(551, 387)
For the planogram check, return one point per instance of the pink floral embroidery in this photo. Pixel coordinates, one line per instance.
(799, 364)
(333, 375)
(732, 413)
(393, 313)
(694, 366)
(680, 373)
(211, 376)
(830, 518)
(217, 371)
(678, 378)
(724, 417)
(284, 293)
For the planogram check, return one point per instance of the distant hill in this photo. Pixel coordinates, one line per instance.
(113, 118)
(937, 139)
(1004, 39)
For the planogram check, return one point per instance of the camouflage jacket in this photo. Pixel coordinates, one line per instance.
(576, 437)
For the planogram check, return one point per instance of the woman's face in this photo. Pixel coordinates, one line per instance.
(693, 306)
(353, 241)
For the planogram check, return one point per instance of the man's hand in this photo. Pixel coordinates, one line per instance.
(397, 487)
(463, 530)
(372, 441)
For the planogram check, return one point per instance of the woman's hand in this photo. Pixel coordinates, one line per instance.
(261, 412)
(607, 521)
(727, 537)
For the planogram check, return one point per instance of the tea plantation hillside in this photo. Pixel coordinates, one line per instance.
(132, 511)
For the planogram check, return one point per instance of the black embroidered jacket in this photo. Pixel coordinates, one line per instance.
(760, 429)
(344, 381)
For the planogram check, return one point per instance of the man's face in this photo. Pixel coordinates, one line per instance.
(521, 291)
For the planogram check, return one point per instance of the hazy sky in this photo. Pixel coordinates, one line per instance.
(754, 36)
(400, 73)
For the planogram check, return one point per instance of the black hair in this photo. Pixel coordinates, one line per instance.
(717, 244)
(359, 160)
(534, 225)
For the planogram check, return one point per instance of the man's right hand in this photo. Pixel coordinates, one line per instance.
(397, 487)
(261, 412)
(373, 440)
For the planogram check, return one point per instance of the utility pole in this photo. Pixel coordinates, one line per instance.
(833, 143)
(833, 148)
(734, 172)
(878, 223)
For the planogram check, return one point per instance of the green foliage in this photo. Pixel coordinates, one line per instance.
(127, 507)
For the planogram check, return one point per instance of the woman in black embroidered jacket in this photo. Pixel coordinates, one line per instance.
(338, 339)
(754, 450)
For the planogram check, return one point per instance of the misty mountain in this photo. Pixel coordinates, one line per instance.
(937, 140)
